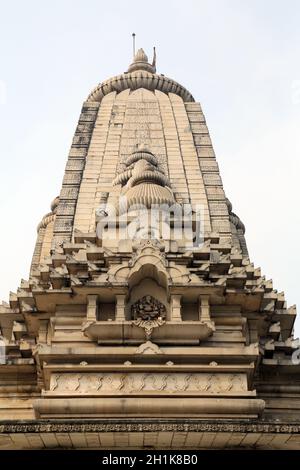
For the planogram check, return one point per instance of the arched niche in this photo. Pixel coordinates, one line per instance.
(147, 286)
(148, 266)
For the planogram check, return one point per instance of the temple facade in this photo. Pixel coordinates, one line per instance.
(143, 323)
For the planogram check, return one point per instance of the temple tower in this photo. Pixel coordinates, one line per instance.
(143, 322)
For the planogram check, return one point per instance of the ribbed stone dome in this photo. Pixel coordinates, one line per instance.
(140, 74)
(146, 176)
(141, 155)
(139, 79)
(144, 196)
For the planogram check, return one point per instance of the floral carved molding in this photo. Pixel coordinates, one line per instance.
(110, 383)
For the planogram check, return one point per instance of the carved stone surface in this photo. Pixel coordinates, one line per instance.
(148, 325)
(138, 425)
(139, 382)
(139, 79)
(148, 308)
(148, 348)
(148, 313)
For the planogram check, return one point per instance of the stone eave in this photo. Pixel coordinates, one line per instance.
(244, 355)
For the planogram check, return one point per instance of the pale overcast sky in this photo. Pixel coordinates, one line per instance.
(239, 58)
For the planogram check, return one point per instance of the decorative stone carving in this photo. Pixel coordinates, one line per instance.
(148, 259)
(139, 425)
(143, 183)
(90, 383)
(111, 382)
(148, 308)
(148, 313)
(148, 325)
(150, 254)
(139, 79)
(68, 382)
(148, 348)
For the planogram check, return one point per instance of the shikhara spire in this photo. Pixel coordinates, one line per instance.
(142, 303)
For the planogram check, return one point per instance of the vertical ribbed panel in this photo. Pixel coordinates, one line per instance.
(209, 168)
(73, 174)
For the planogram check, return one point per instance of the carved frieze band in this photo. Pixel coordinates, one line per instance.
(180, 425)
(110, 383)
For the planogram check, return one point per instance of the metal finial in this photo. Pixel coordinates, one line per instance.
(133, 44)
(154, 59)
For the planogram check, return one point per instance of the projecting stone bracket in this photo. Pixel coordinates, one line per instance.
(148, 348)
(176, 332)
